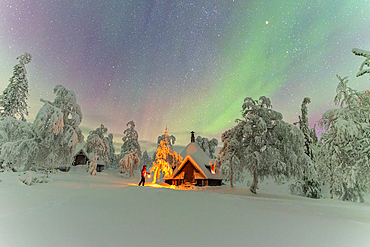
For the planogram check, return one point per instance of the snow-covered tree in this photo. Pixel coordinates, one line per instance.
(17, 143)
(208, 146)
(304, 186)
(13, 100)
(113, 159)
(93, 165)
(146, 160)
(56, 129)
(230, 155)
(309, 134)
(265, 144)
(130, 163)
(344, 150)
(366, 55)
(130, 140)
(168, 140)
(97, 143)
(161, 163)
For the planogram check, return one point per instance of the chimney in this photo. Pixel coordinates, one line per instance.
(192, 137)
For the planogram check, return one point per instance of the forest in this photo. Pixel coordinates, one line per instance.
(261, 143)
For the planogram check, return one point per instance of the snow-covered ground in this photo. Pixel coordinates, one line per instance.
(76, 209)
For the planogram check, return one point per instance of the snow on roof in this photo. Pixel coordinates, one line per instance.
(90, 156)
(81, 146)
(199, 159)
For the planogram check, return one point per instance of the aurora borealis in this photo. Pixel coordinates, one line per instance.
(185, 64)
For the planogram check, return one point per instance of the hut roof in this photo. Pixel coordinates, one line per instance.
(81, 146)
(200, 161)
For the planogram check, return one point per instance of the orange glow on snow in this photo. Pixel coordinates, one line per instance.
(167, 186)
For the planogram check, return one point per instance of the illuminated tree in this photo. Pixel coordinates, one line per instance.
(169, 140)
(161, 163)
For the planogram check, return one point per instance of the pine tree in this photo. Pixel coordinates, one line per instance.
(264, 144)
(97, 143)
(57, 131)
(130, 140)
(307, 187)
(366, 55)
(130, 163)
(208, 146)
(13, 101)
(18, 144)
(113, 159)
(146, 160)
(161, 164)
(344, 152)
(230, 155)
(169, 140)
(309, 134)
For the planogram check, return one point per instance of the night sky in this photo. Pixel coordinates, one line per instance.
(185, 64)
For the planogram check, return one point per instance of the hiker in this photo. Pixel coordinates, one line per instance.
(143, 174)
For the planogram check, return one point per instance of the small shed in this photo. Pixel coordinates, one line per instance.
(196, 168)
(101, 164)
(81, 158)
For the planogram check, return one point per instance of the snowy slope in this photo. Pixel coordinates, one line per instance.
(76, 209)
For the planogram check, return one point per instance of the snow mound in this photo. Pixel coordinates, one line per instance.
(78, 169)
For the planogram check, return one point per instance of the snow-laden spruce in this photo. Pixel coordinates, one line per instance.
(166, 160)
(130, 140)
(50, 141)
(263, 144)
(167, 139)
(304, 186)
(208, 146)
(113, 159)
(344, 150)
(97, 143)
(130, 163)
(13, 100)
(18, 143)
(146, 160)
(57, 128)
(366, 54)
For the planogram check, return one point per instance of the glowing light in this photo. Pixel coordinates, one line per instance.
(213, 169)
(149, 176)
(165, 186)
(160, 164)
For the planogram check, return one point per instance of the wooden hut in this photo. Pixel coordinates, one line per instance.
(101, 164)
(196, 168)
(81, 158)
